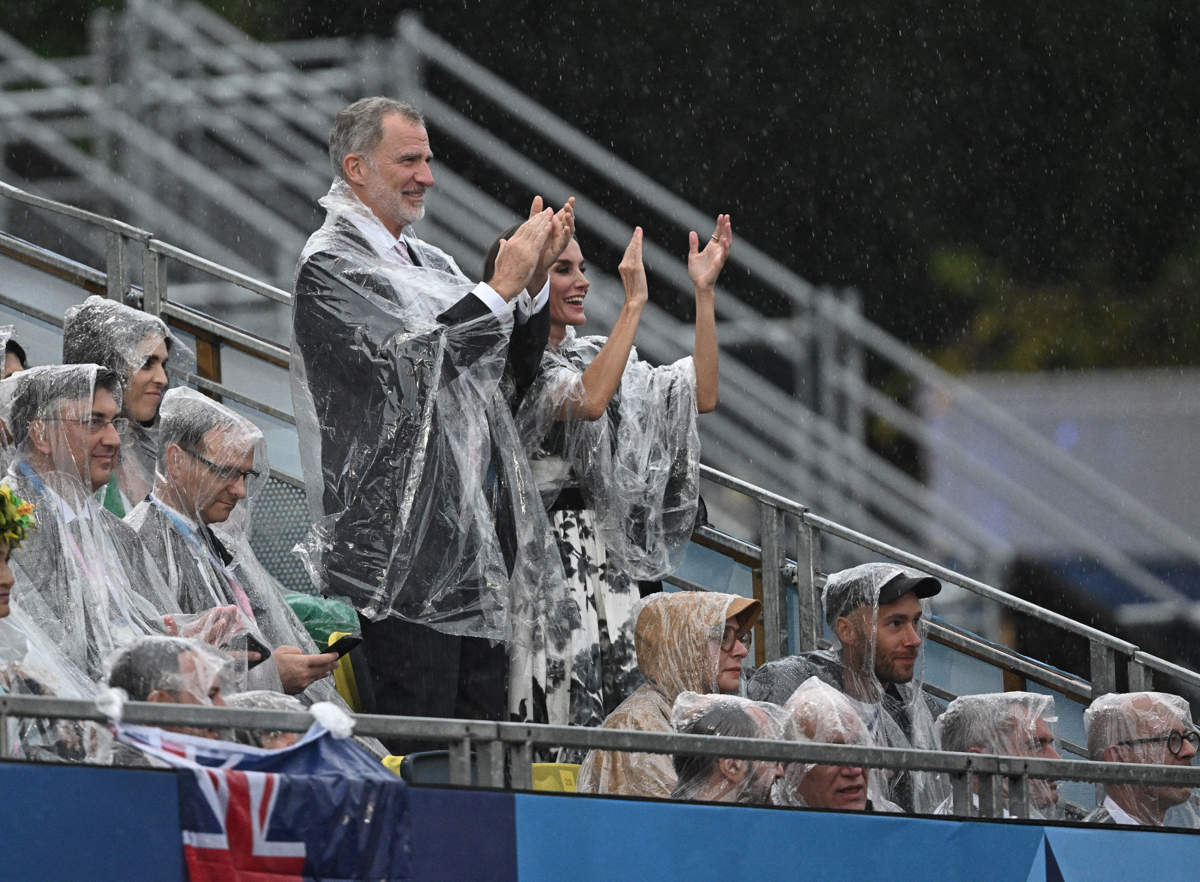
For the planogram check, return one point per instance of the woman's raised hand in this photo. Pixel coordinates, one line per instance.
(704, 266)
(633, 272)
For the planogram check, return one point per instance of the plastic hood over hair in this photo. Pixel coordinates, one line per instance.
(1005, 723)
(196, 526)
(123, 339)
(818, 713)
(1136, 727)
(263, 699)
(80, 574)
(678, 638)
(192, 671)
(421, 494)
(705, 778)
(638, 465)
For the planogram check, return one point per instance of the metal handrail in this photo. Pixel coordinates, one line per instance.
(463, 737)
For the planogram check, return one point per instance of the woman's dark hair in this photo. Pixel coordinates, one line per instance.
(721, 719)
(16, 349)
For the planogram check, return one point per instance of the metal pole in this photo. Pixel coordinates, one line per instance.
(1018, 796)
(154, 281)
(960, 783)
(116, 265)
(809, 624)
(1103, 669)
(989, 795)
(1141, 678)
(460, 762)
(772, 581)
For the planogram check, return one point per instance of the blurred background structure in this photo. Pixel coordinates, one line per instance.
(920, 198)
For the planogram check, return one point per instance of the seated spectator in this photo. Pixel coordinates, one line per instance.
(878, 620)
(1005, 723)
(211, 464)
(262, 699)
(817, 712)
(76, 575)
(136, 347)
(719, 779)
(689, 641)
(1140, 727)
(172, 670)
(15, 360)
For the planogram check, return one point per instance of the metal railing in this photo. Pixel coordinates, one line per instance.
(500, 755)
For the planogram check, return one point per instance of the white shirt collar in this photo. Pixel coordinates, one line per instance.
(1118, 814)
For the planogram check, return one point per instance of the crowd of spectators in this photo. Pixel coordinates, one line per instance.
(496, 497)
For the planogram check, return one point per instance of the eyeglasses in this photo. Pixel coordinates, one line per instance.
(731, 636)
(224, 472)
(1174, 741)
(94, 425)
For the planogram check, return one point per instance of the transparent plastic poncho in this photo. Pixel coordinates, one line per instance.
(212, 467)
(897, 713)
(83, 576)
(818, 713)
(716, 779)
(123, 339)
(1142, 727)
(678, 639)
(637, 466)
(420, 491)
(263, 699)
(1009, 724)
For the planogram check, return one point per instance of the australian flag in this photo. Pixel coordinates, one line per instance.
(323, 809)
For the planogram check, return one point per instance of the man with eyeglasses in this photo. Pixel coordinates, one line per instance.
(210, 460)
(1140, 727)
(80, 576)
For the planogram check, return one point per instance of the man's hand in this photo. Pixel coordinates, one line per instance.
(518, 256)
(298, 671)
(214, 626)
(561, 231)
(704, 266)
(633, 273)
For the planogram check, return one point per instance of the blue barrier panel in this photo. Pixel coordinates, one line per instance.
(599, 839)
(462, 834)
(77, 822)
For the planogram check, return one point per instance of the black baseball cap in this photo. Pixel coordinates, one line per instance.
(854, 592)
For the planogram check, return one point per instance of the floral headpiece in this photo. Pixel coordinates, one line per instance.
(16, 518)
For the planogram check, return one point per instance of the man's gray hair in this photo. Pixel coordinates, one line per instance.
(983, 721)
(358, 128)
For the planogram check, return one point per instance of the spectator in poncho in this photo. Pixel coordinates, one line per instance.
(81, 574)
(877, 615)
(424, 511)
(615, 449)
(195, 525)
(689, 641)
(725, 779)
(136, 346)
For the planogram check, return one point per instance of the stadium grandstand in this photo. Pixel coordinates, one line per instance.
(176, 169)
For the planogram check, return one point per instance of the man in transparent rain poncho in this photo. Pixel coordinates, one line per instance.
(818, 713)
(425, 514)
(1009, 724)
(725, 779)
(877, 616)
(1142, 727)
(195, 526)
(136, 346)
(81, 575)
(688, 641)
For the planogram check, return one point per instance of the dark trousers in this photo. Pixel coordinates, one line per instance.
(419, 672)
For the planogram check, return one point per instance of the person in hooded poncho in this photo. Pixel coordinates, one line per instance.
(877, 614)
(137, 347)
(195, 524)
(818, 713)
(1142, 727)
(425, 515)
(1009, 724)
(31, 664)
(81, 574)
(616, 452)
(724, 779)
(688, 641)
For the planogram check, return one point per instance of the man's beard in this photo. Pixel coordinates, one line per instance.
(391, 205)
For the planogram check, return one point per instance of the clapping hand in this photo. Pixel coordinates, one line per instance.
(633, 272)
(519, 255)
(704, 266)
